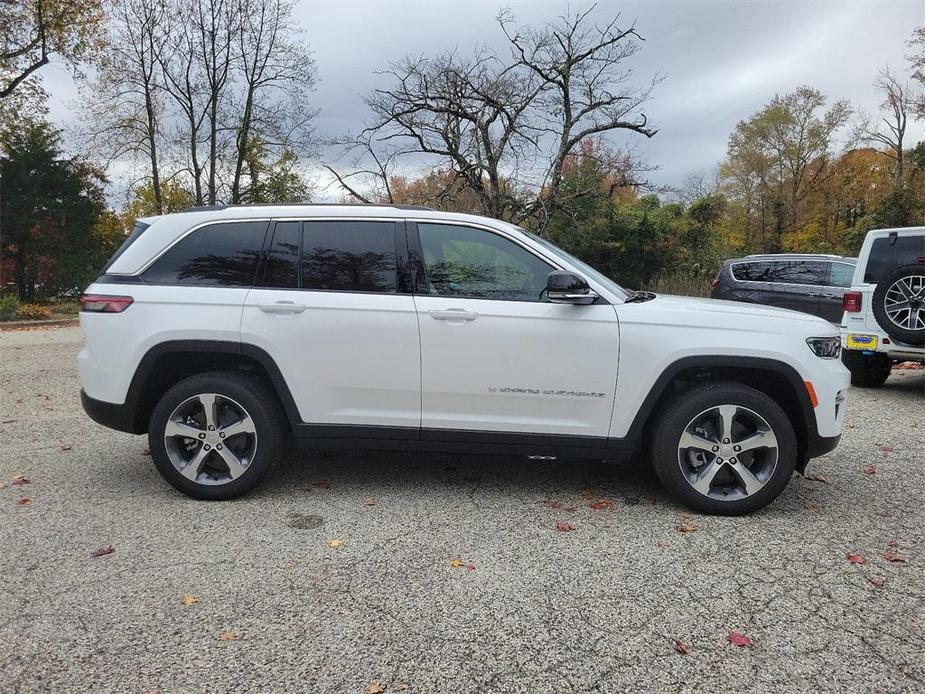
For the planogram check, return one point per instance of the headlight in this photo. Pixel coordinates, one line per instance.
(825, 347)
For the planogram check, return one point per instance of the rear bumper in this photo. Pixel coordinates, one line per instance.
(113, 415)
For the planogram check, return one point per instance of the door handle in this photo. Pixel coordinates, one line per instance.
(454, 314)
(282, 307)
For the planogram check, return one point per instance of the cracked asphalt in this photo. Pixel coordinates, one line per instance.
(527, 609)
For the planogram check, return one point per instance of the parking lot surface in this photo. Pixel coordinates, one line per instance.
(426, 573)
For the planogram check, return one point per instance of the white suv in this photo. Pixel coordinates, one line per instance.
(884, 320)
(224, 332)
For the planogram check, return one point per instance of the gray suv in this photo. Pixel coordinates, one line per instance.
(802, 282)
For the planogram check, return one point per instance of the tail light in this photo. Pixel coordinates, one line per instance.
(714, 282)
(851, 302)
(101, 303)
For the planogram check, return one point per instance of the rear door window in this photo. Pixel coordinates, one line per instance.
(222, 255)
(281, 259)
(349, 255)
(782, 271)
(886, 256)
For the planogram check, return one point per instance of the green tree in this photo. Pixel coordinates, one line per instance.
(50, 214)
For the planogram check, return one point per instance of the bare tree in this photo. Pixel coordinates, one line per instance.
(888, 132)
(506, 126)
(125, 103)
(276, 74)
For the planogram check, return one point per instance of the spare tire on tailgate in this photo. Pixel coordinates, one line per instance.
(899, 304)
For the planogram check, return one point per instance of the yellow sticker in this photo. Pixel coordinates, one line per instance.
(861, 342)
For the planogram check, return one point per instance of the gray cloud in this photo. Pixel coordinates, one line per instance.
(721, 60)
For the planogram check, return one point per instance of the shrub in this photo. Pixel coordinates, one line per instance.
(65, 307)
(9, 306)
(33, 312)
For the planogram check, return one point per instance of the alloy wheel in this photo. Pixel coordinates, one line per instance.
(728, 452)
(210, 439)
(904, 302)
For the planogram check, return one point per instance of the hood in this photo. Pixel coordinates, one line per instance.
(690, 311)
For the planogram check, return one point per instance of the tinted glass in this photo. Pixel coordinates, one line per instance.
(841, 275)
(349, 256)
(782, 271)
(281, 260)
(464, 261)
(218, 254)
(885, 256)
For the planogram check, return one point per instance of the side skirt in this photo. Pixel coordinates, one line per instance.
(321, 436)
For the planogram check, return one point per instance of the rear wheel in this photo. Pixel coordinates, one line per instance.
(724, 448)
(867, 370)
(215, 435)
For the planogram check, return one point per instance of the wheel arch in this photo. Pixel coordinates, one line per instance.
(776, 379)
(169, 362)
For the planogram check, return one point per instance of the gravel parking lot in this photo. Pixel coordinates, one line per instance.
(449, 574)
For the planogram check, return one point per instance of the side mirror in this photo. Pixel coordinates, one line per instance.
(563, 287)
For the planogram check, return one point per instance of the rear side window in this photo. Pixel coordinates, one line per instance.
(137, 231)
(842, 274)
(352, 255)
(886, 256)
(222, 255)
(281, 261)
(782, 271)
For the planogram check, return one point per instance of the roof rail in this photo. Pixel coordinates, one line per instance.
(218, 208)
(795, 255)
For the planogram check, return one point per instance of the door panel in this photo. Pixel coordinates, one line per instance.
(344, 339)
(517, 366)
(509, 362)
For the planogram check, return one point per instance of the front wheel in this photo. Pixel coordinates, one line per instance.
(724, 448)
(215, 435)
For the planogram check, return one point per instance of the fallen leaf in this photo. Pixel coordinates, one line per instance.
(456, 563)
(335, 543)
(103, 551)
(571, 509)
(649, 501)
(25, 501)
(869, 469)
(604, 505)
(855, 558)
(20, 480)
(886, 449)
(686, 527)
(892, 543)
(818, 478)
(189, 600)
(370, 502)
(893, 557)
(875, 581)
(470, 567)
(146, 451)
(564, 526)
(552, 503)
(681, 647)
(662, 543)
(64, 448)
(737, 638)
(228, 635)
(375, 688)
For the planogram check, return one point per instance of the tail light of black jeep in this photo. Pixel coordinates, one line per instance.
(851, 302)
(102, 303)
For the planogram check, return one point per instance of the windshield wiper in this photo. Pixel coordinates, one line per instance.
(639, 297)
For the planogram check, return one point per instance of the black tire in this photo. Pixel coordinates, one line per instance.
(867, 370)
(258, 401)
(908, 334)
(671, 423)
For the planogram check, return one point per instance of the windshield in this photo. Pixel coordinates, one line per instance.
(589, 271)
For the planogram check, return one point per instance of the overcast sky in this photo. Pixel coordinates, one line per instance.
(722, 61)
